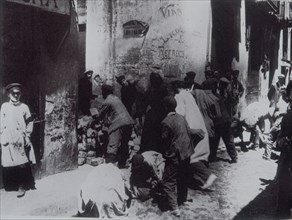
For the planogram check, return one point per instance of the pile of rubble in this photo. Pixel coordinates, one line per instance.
(92, 142)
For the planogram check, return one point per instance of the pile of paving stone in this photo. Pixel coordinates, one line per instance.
(92, 141)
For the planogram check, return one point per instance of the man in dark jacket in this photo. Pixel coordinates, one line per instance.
(284, 172)
(128, 92)
(217, 119)
(222, 124)
(177, 149)
(235, 90)
(150, 138)
(85, 92)
(119, 124)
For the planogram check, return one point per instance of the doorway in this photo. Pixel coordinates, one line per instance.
(21, 63)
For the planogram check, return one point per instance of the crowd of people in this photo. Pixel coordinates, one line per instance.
(180, 122)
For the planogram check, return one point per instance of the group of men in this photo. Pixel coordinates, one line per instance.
(182, 123)
(181, 120)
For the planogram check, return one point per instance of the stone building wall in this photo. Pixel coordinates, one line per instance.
(40, 51)
(126, 36)
(61, 85)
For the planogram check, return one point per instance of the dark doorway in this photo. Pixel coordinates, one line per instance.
(21, 63)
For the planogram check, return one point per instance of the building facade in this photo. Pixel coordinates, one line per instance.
(40, 50)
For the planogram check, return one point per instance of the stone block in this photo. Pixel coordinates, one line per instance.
(82, 154)
(85, 121)
(91, 154)
(81, 161)
(97, 161)
(82, 147)
(89, 159)
(91, 133)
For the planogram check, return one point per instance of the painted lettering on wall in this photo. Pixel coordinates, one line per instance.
(169, 53)
(170, 10)
(177, 35)
(57, 6)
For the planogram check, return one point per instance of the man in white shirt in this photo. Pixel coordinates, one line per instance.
(17, 153)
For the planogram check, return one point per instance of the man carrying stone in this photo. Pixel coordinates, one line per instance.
(119, 124)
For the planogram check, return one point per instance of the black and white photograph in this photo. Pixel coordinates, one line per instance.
(146, 109)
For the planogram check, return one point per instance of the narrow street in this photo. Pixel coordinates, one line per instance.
(83, 81)
(240, 192)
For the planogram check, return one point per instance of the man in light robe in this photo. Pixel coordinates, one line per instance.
(16, 127)
(187, 107)
(103, 194)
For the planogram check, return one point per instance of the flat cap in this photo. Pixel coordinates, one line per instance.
(281, 76)
(13, 86)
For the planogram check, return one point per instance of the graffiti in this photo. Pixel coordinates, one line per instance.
(170, 11)
(170, 36)
(168, 54)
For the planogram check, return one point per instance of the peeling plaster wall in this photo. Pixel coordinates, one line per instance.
(60, 88)
(49, 74)
(177, 40)
(60, 151)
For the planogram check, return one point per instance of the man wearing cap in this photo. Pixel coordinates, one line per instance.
(16, 127)
(275, 91)
(146, 173)
(209, 74)
(190, 81)
(85, 92)
(235, 91)
(119, 126)
(217, 119)
(177, 148)
(128, 91)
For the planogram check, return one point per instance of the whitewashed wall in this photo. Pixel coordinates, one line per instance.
(178, 39)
